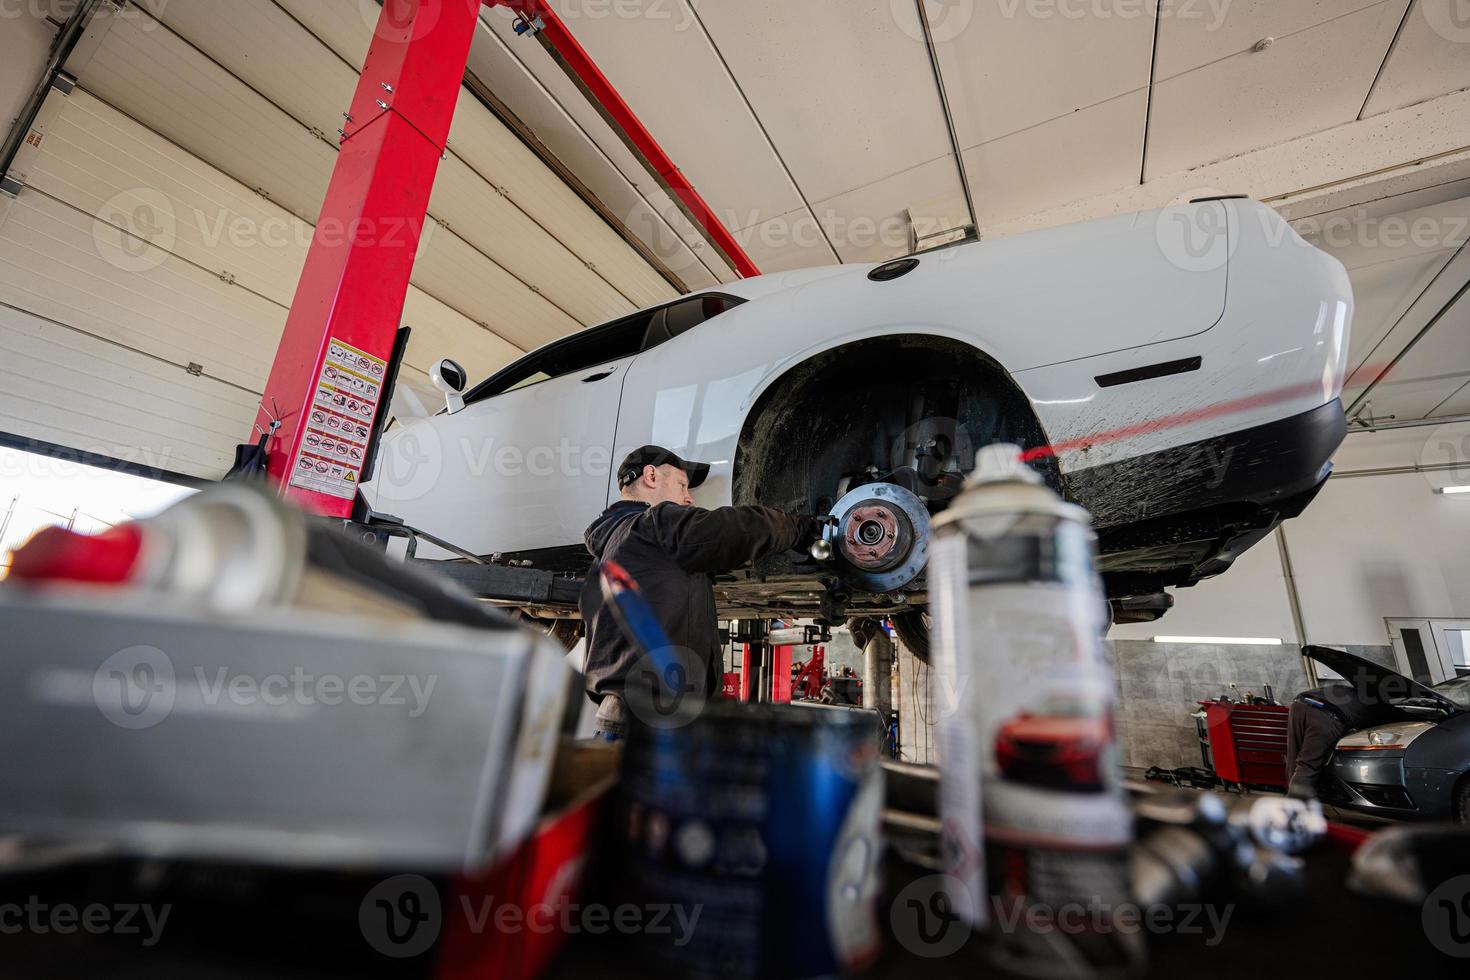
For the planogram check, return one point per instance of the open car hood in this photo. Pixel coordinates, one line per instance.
(1374, 674)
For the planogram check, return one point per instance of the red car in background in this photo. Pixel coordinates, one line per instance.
(1059, 744)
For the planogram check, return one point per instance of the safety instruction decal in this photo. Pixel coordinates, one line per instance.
(334, 445)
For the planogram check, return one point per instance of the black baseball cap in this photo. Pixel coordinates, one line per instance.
(633, 463)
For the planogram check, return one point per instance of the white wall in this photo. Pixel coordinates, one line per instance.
(25, 43)
(1369, 547)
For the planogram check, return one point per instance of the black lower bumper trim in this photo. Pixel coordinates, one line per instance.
(1264, 465)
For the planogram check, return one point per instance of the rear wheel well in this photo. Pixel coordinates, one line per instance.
(870, 407)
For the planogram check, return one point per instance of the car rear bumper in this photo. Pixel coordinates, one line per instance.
(1265, 464)
(1177, 516)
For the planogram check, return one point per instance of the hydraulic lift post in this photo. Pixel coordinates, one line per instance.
(357, 271)
(356, 274)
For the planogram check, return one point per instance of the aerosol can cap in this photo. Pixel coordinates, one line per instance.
(1000, 462)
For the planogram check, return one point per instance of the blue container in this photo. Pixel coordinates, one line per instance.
(759, 827)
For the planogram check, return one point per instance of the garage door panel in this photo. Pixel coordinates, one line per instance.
(65, 387)
(259, 42)
(448, 268)
(63, 265)
(497, 154)
(554, 233)
(438, 331)
(107, 165)
(158, 79)
(512, 240)
(581, 138)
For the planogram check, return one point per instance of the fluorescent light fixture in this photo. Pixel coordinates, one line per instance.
(1465, 489)
(1254, 641)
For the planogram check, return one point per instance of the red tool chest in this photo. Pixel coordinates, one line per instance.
(1247, 742)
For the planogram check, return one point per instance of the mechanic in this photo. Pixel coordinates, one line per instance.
(672, 549)
(1314, 723)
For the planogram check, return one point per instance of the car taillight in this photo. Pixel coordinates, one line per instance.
(59, 555)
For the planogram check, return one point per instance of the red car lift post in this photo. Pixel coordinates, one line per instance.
(357, 272)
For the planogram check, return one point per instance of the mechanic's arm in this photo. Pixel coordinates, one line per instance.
(719, 540)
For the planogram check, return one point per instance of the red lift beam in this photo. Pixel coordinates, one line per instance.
(332, 358)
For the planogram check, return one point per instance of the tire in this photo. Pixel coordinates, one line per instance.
(913, 632)
(1460, 801)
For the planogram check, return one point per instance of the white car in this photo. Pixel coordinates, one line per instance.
(1184, 366)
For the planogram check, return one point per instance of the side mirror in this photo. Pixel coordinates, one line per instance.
(451, 379)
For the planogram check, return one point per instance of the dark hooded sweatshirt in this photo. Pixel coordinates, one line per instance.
(671, 551)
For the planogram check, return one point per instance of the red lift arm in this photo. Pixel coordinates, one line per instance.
(332, 359)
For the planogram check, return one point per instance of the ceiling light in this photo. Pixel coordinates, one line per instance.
(1465, 489)
(1255, 641)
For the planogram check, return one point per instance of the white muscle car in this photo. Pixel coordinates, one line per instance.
(1176, 372)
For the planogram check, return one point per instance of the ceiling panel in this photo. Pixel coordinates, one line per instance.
(786, 242)
(684, 95)
(1430, 57)
(1381, 294)
(1195, 34)
(571, 127)
(1043, 167)
(1434, 369)
(1456, 404)
(866, 108)
(868, 224)
(1005, 72)
(1391, 258)
(1305, 82)
(1408, 333)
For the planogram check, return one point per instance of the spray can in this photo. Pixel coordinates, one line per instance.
(1036, 824)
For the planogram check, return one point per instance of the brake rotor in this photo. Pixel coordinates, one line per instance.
(882, 535)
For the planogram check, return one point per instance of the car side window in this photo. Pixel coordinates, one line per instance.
(685, 315)
(599, 345)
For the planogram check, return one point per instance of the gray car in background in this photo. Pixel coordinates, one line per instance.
(1414, 768)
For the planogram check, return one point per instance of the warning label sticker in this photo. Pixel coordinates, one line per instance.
(334, 445)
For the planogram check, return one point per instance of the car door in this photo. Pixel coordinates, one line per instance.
(525, 465)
